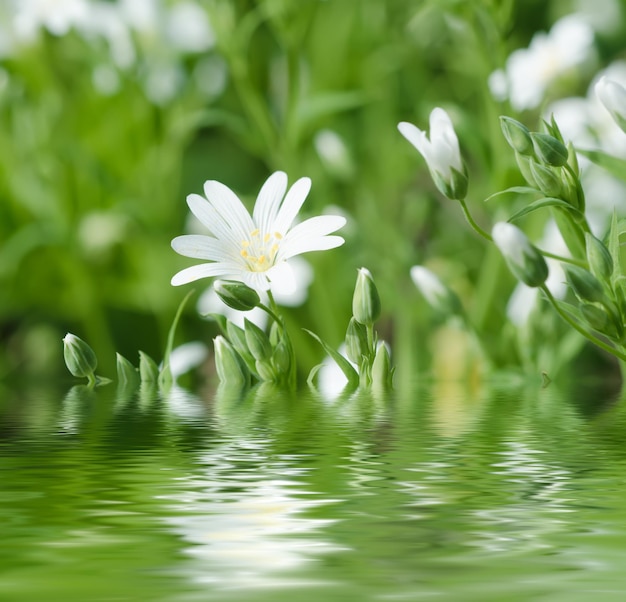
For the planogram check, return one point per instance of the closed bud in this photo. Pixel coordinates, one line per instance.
(356, 341)
(598, 257)
(236, 295)
(365, 301)
(599, 319)
(257, 341)
(230, 368)
(549, 150)
(613, 96)
(586, 286)
(517, 135)
(382, 371)
(281, 358)
(265, 370)
(148, 369)
(126, 373)
(524, 163)
(80, 358)
(547, 180)
(524, 260)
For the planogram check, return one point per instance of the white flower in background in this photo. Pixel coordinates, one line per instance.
(524, 298)
(186, 357)
(602, 15)
(589, 125)
(432, 289)
(530, 71)
(188, 28)
(253, 248)
(441, 152)
(56, 16)
(613, 96)
(333, 153)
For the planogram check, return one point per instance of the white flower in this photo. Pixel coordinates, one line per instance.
(429, 285)
(523, 259)
(613, 96)
(441, 152)
(253, 248)
(529, 71)
(57, 16)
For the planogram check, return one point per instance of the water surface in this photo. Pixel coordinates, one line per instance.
(440, 493)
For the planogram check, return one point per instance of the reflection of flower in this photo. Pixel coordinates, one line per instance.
(253, 248)
(530, 71)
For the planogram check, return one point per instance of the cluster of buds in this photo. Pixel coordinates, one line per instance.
(547, 164)
(249, 353)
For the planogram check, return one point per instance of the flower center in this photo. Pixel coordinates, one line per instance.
(259, 251)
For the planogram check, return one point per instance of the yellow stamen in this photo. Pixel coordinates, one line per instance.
(244, 253)
(266, 237)
(245, 243)
(254, 232)
(274, 250)
(262, 259)
(277, 235)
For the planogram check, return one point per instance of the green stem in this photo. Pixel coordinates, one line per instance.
(572, 260)
(473, 224)
(580, 329)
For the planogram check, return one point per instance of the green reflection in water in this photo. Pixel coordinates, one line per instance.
(447, 493)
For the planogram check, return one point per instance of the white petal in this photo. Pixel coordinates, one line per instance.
(315, 226)
(256, 280)
(282, 279)
(203, 247)
(304, 245)
(203, 270)
(303, 277)
(216, 223)
(268, 201)
(291, 205)
(230, 208)
(416, 137)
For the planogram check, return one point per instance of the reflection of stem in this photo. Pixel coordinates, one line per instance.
(580, 329)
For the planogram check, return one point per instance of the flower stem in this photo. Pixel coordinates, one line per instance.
(595, 340)
(473, 224)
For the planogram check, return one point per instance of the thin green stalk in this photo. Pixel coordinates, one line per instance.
(473, 224)
(580, 329)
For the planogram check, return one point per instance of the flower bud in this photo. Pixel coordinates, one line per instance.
(365, 301)
(382, 371)
(257, 341)
(549, 150)
(436, 293)
(595, 316)
(236, 295)
(281, 357)
(598, 257)
(230, 369)
(126, 373)
(517, 135)
(547, 181)
(524, 260)
(524, 164)
(586, 286)
(356, 342)
(148, 369)
(80, 358)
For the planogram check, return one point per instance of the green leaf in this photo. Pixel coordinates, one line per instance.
(345, 366)
(514, 190)
(614, 165)
(544, 202)
(328, 103)
(221, 320)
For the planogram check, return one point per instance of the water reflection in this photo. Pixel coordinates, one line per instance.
(365, 497)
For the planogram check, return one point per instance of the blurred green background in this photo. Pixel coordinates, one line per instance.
(112, 112)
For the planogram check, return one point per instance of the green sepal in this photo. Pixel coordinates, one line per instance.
(543, 203)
